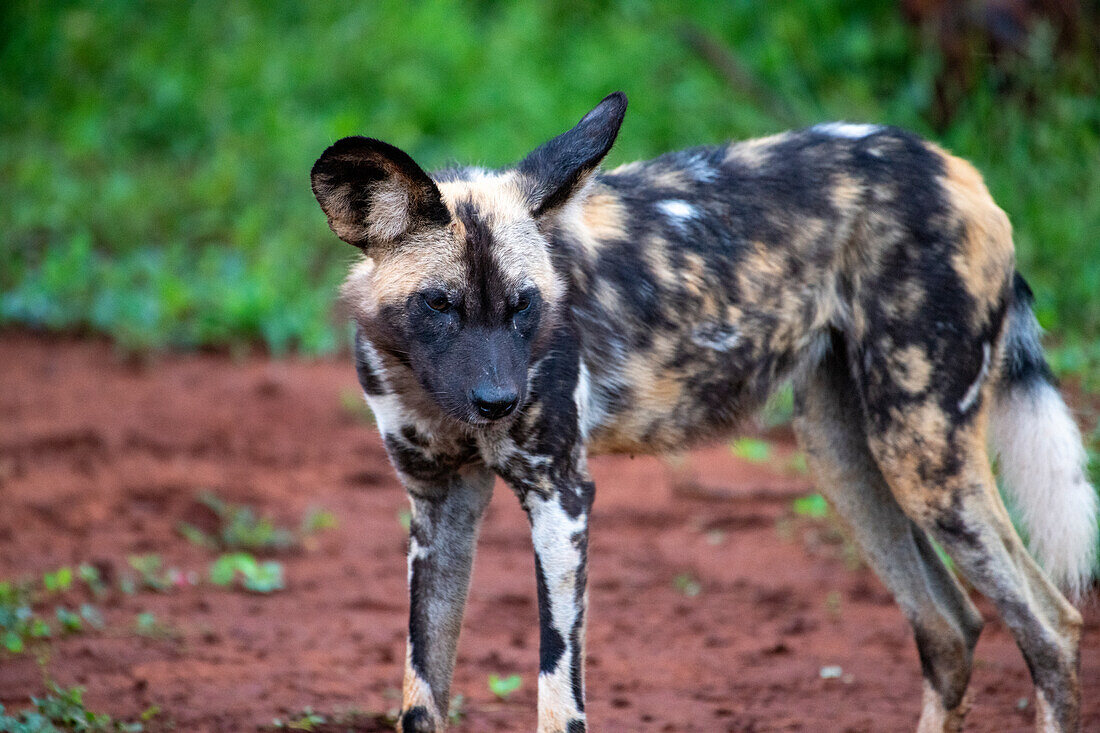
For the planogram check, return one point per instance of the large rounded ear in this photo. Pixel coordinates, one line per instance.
(560, 167)
(373, 192)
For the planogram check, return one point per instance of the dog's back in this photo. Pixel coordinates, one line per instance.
(702, 278)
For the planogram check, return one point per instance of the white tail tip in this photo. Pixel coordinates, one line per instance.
(1043, 467)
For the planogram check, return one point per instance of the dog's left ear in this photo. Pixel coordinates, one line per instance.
(562, 166)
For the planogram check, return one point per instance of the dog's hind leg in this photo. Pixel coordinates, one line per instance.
(960, 507)
(931, 448)
(442, 533)
(828, 422)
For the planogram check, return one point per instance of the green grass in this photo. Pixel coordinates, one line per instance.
(241, 527)
(25, 618)
(503, 687)
(154, 157)
(254, 575)
(63, 710)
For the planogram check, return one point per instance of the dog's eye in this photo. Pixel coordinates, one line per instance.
(523, 303)
(437, 300)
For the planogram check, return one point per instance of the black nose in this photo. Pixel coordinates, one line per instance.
(494, 402)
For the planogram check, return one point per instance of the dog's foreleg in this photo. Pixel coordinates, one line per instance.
(559, 529)
(442, 534)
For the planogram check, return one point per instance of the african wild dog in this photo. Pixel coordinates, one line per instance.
(511, 322)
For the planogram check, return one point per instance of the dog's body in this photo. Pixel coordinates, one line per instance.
(514, 322)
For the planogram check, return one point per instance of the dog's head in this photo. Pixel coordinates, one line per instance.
(457, 282)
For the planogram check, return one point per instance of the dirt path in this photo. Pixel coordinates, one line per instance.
(708, 613)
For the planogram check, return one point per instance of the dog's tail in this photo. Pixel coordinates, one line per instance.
(1041, 457)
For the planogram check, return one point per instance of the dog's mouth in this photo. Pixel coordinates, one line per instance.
(481, 410)
(468, 415)
(470, 418)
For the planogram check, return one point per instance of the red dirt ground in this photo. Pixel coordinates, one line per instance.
(100, 460)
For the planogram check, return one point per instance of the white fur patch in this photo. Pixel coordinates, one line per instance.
(934, 718)
(1042, 463)
(849, 130)
(700, 168)
(1044, 714)
(972, 393)
(589, 414)
(555, 703)
(367, 351)
(679, 212)
(551, 532)
(716, 336)
(416, 552)
(389, 414)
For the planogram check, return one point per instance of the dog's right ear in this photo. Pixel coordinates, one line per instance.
(559, 168)
(373, 193)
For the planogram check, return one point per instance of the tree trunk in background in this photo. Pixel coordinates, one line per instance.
(973, 35)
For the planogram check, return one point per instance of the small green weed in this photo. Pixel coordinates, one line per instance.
(147, 624)
(317, 520)
(687, 584)
(17, 620)
(503, 687)
(196, 536)
(21, 623)
(93, 579)
(150, 568)
(63, 710)
(455, 709)
(58, 581)
(813, 506)
(241, 528)
(797, 464)
(306, 720)
(255, 576)
(70, 622)
(753, 450)
(813, 523)
(349, 720)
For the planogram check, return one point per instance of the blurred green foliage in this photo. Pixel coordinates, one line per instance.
(154, 158)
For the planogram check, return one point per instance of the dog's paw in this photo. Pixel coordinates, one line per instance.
(417, 720)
